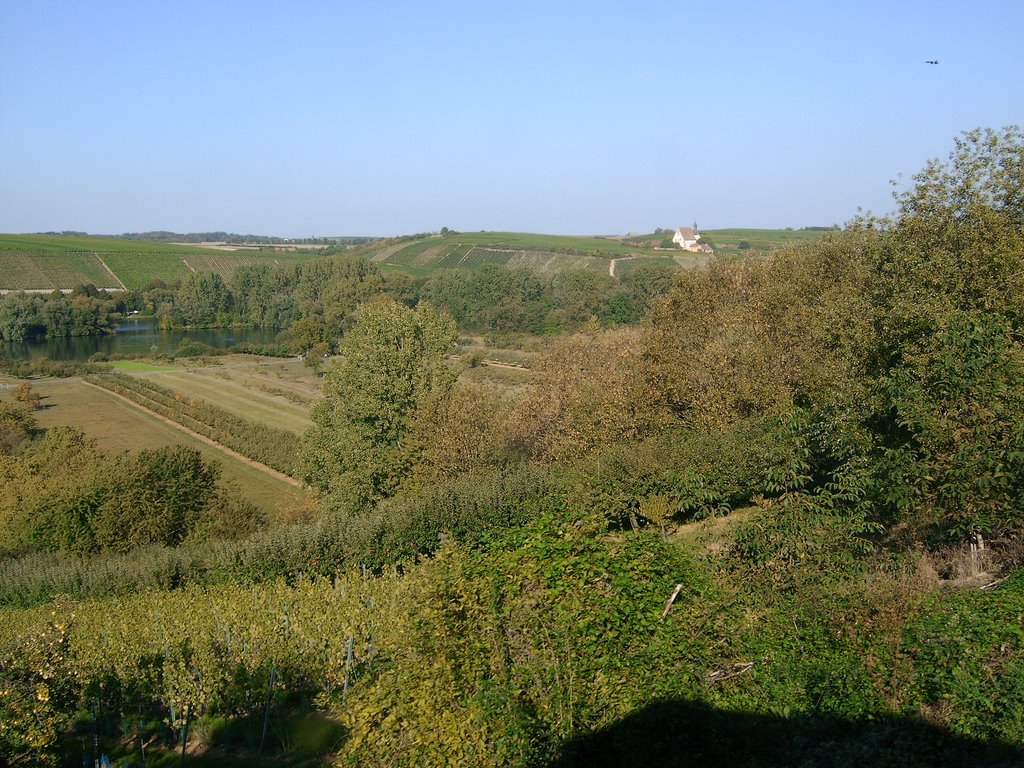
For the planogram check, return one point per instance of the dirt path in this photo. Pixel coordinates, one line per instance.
(204, 439)
(613, 262)
(385, 253)
(111, 272)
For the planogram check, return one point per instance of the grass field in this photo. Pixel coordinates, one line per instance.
(760, 239)
(138, 365)
(119, 426)
(222, 388)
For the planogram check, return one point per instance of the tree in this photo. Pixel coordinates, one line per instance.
(203, 296)
(156, 497)
(16, 427)
(363, 440)
(25, 394)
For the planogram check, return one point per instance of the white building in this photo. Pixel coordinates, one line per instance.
(687, 238)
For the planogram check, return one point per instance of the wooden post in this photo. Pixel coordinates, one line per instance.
(266, 708)
(184, 735)
(348, 664)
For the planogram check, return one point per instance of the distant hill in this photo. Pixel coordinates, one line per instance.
(544, 253)
(47, 262)
(726, 241)
(228, 238)
(65, 260)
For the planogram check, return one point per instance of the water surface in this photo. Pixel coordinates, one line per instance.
(135, 336)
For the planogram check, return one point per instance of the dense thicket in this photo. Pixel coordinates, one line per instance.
(60, 493)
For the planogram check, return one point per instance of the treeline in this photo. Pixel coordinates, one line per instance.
(277, 448)
(85, 312)
(312, 303)
(315, 300)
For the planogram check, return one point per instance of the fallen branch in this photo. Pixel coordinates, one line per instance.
(671, 600)
(994, 584)
(724, 674)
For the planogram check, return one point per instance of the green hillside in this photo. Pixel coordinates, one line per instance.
(759, 239)
(542, 253)
(46, 262)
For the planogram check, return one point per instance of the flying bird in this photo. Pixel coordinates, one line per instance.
(932, 62)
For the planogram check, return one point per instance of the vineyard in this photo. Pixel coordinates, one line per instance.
(41, 269)
(34, 262)
(277, 448)
(426, 256)
(165, 660)
(138, 269)
(224, 263)
(268, 404)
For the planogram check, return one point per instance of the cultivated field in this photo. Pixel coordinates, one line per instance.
(760, 239)
(248, 389)
(37, 262)
(120, 426)
(542, 253)
(276, 394)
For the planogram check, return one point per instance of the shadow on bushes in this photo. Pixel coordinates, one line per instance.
(691, 733)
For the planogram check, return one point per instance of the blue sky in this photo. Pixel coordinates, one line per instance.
(329, 118)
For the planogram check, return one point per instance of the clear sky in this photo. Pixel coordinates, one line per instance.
(310, 118)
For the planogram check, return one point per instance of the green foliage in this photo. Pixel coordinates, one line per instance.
(548, 631)
(419, 520)
(61, 494)
(156, 497)
(202, 299)
(392, 362)
(957, 450)
(37, 697)
(190, 348)
(968, 652)
(25, 317)
(17, 425)
(277, 349)
(40, 366)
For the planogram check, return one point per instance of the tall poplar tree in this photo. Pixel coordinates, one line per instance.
(363, 439)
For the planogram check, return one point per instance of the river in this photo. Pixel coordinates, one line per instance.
(134, 336)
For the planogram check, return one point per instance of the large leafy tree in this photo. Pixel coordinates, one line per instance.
(392, 365)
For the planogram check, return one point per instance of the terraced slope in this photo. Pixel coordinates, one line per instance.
(543, 253)
(45, 262)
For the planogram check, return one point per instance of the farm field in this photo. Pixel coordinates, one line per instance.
(542, 253)
(38, 262)
(119, 426)
(760, 239)
(244, 394)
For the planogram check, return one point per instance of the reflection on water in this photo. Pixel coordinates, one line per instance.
(135, 336)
